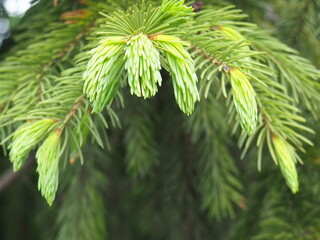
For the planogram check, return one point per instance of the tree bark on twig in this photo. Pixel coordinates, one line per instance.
(9, 177)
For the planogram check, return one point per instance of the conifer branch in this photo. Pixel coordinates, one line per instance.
(81, 214)
(44, 69)
(219, 183)
(59, 56)
(73, 110)
(141, 148)
(56, 96)
(214, 60)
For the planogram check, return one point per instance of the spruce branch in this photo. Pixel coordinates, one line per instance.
(35, 22)
(295, 73)
(64, 134)
(66, 77)
(279, 128)
(255, 67)
(81, 213)
(219, 183)
(281, 215)
(74, 118)
(39, 77)
(298, 26)
(141, 148)
(131, 37)
(212, 59)
(73, 110)
(210, 42)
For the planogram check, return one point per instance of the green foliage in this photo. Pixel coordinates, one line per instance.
(81, 214)
(103, 73)
(284, 153)
(294, 219)
(244, 100)
(143, 61)
(65, 92)
(182, 70)
(297, 25)
(133, 43)
(48, 166)
(219, 182)
(26, 138)
(141, 148)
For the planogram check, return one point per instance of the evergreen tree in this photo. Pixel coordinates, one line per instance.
(162, 119)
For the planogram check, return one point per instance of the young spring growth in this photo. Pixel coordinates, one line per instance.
(231, 33)
(130, 44)
(102, 76)
(182, 68)
(235, 36)
(243, 93)
(244, 100)
(26, 137)
(143, 66)
(284, 153)
(48, 166)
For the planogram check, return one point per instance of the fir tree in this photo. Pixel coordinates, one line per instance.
(134, 117)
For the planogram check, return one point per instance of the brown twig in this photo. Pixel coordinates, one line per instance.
(9, 177)
(214, 60)
(73, 110)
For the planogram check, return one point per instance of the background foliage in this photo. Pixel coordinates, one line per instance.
(92, 103)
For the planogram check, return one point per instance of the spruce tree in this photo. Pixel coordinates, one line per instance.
(162, 119)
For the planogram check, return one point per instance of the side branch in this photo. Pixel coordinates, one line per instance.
(73, 110)
(66, 49)
(213, 59)
(60, 55)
